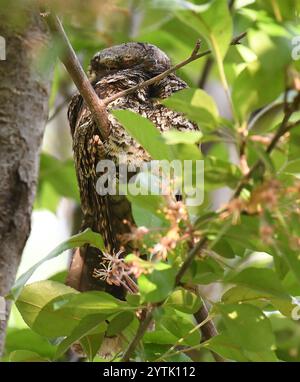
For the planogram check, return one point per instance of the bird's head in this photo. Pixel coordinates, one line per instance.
(146, 57)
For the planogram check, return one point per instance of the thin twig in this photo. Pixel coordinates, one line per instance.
(205, 72)
(208, 330)
(58, 109)
(139, 334)
(74, 68)
(283, 129)
(194, 56)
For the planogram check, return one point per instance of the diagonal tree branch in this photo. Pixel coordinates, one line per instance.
(72, 64)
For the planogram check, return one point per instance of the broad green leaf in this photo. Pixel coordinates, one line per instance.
(144, 132)
(145, 217)
(174, 137)
(261, 279)
(152, 351)
(133, 299)
(213, 21)
(241, 294)
(152, 204)
(91, 343)
(248, 327)
(53, 310)
(119, 323)
(25, 338)
(160, 336)
(34, 297)
(60, 175)
(156, 285)
(224, 345)
(292, 256)
(93, 302)
(181, 328)
(227, 348)
(292, 167)
(247, 95)
(184, 301)
(198, 106)
(204, 271)
(93, 323)
(26, 356)
(267, 119)
(219, 173)
(224, 249)
(87, 237)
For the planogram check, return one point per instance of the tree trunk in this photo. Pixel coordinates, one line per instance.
(24, 93)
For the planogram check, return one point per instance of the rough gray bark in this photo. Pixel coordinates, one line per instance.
(24, 93)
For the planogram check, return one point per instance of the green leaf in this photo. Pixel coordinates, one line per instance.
(223, 345)
(52, 311)
(184, 301)
(91, 344)
(25, 338)
(60, 175)
(87, 237)
(267, 119)
(241, 294)
(160, 336)
(145, 217)
(93, 323)
(292, 256)
(144, 132)
(174, 137)
(35, 297)
(181, 327)
(156, 285)
(293, 168)
(224, 249)
(204, 271)
(133, 299)
(213, 21)
(227, 348)
(26, 356)
(248, 327)
(93, 302)
(261, 279)
(119, 323)
(198, 106)
(247, 95)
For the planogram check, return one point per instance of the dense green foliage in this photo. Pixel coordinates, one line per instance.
(249, 269)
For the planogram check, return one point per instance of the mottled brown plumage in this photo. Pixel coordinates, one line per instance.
(112, 70)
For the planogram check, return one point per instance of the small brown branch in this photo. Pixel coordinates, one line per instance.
(205, 72)
(139, 335)
(58, 109)
(283, 129)
(194, 56)
(190, 257)
(72, 64)
(208, 330)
